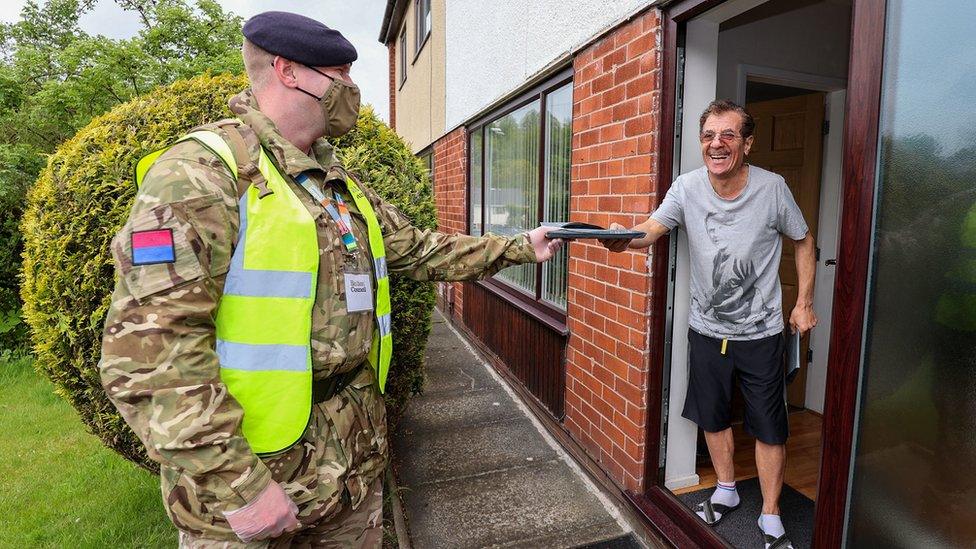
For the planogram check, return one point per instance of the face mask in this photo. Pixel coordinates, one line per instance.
(339, 104)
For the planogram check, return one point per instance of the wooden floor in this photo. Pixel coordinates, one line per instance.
(802, 456)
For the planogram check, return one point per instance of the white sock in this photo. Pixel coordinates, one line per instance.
(725, 494)
(772, 525)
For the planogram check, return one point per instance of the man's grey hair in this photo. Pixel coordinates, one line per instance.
(257, 64)
(722, 106)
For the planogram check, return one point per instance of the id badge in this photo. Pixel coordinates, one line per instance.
(359, 292)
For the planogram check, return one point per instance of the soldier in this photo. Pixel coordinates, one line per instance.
(266, 413)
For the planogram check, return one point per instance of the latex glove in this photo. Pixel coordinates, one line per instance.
(544, 248)
(619, 244)
(268, 516)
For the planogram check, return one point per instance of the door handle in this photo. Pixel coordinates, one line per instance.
(830, 262)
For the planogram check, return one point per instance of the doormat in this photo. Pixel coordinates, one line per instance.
(740, 528)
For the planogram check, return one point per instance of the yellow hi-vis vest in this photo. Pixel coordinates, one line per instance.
(956, 308)
(264, 319)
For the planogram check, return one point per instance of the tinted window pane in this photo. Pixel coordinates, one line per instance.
(403, 56)
(512, 181)
(422, 14)
(914, 478)
(474, 191)
(559, 131)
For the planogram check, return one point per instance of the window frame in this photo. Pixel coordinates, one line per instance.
(533, 303)
(421, 38)
(402, 57)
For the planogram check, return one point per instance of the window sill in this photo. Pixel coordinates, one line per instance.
(551, 317)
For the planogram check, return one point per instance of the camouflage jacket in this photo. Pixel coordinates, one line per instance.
(159, 366)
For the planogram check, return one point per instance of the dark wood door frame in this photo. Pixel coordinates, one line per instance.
(658, 505)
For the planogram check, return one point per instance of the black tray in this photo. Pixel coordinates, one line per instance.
(575, 230)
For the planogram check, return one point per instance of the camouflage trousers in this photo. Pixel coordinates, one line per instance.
(332, 469)
(360, 528)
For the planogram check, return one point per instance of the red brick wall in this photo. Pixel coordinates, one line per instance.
(392, 47)
(616, 102)
(450, 192)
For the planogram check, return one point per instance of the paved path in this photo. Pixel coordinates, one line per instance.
(475, 470)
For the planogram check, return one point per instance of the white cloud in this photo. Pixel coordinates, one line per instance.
(359, 21)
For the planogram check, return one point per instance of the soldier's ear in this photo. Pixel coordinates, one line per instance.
(284, 70)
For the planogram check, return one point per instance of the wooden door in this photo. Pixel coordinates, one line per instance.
(789, 141)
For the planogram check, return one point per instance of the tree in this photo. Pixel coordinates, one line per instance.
(55, 78)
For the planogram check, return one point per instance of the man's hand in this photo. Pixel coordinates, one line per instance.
(544, 248)
(802, 319)
(619, 244)
(268, 516)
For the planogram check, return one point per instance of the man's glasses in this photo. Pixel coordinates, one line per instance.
(724, 137)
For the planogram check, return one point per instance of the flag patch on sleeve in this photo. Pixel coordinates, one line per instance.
(151, 247)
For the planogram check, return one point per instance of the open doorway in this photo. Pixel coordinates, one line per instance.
(786, 60)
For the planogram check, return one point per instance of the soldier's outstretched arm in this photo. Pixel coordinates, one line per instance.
(430, 255)
(158, 363)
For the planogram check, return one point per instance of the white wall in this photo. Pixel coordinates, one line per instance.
(829, 228)
(812, 40)
(493, 48)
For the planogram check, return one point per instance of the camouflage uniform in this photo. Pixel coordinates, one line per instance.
(160, 369)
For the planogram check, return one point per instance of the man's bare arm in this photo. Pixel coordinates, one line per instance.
(652, 228)
(803, 317)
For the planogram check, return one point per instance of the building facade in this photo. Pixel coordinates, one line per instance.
(551, 111)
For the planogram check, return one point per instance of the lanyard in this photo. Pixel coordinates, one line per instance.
(336, 208)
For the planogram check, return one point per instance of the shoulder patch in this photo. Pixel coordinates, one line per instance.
(152, 247)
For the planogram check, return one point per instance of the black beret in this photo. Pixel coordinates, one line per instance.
(299, 38)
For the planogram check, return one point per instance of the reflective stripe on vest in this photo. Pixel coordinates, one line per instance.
(381, 350)
(264, 319)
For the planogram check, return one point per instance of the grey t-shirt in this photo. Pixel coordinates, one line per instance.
(735, 248)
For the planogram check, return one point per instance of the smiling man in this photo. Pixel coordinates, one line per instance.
(735, 216)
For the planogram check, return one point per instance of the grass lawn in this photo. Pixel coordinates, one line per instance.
(59, 487)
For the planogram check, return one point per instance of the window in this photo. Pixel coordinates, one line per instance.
(519, 176)
(422, 15)
(475, 183)
(427, 157)
(403, 55)
(555, 193)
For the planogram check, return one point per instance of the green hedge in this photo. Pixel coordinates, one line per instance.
(83, 196)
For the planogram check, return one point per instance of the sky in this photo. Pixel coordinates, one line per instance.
(359, 21)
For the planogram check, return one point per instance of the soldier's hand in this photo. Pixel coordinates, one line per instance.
(268, 516)
(619, 244)
(544, 248)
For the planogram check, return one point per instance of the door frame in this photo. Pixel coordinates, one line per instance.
(659, 506)
(771, 75)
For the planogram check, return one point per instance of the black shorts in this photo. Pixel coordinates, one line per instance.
(759, 366)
